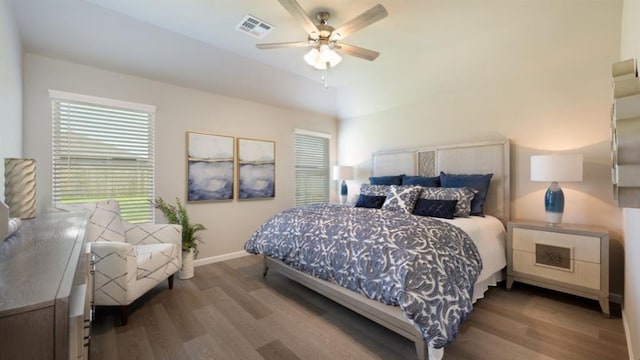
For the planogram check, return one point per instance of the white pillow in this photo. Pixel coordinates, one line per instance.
(401, 198)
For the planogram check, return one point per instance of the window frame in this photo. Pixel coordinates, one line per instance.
(104, 120)
(326, 166)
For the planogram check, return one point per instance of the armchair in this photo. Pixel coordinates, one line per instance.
(130, 259)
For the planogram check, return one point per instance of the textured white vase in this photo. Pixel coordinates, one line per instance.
(4, 221)
(20, 187)
(186, 272)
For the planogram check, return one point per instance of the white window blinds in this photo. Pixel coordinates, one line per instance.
(103, 149)
(311, 167)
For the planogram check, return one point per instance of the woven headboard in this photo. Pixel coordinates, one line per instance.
(473, 158)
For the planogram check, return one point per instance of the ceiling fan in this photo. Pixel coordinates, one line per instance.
(325, 40)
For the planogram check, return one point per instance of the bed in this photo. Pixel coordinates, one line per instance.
(430, 321)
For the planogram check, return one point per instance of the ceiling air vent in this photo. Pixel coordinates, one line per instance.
(254, 27)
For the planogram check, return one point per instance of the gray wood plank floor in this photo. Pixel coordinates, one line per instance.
(229, 311)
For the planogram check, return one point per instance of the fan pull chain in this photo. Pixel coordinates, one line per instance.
(325, 82)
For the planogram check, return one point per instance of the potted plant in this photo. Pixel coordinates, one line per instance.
(177, 214)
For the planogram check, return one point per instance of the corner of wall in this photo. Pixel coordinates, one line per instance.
(630, 48)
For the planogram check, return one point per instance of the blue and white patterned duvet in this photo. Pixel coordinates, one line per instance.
(425, 266)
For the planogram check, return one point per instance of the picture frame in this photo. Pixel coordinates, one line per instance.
(256, 169)
(210, 167)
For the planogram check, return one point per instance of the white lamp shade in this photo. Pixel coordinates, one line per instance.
(319, 58)
(342, 172)
(561, 168)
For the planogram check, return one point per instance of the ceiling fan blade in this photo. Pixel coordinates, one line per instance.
(301, 16)
(286, 45)
(357, 51)
(367, 18)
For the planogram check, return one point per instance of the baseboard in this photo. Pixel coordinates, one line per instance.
(218, 258)
(627, 333)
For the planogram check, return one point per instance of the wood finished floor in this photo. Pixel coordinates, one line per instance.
(229, 311)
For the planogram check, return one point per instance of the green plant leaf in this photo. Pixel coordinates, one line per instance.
(177, 214)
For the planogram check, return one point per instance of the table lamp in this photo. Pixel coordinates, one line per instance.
(20, 187)
(555, 168)
(343, 173)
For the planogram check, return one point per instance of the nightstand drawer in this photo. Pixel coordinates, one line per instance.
(569, 258)
(580, 273)
(583, 248)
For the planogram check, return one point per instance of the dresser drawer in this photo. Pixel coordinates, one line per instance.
(579, 247)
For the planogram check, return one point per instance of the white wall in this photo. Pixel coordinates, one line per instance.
(10, 89)
(631, 308)
(630, 48)
(548, 89)
(179, 110)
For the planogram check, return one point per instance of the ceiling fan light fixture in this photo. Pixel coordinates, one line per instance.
(318, 58)
(323, 38)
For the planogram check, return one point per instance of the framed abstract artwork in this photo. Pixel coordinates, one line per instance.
(256, 169)
(210, 167)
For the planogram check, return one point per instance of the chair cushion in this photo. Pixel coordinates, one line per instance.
(150, 258)
(105, 222)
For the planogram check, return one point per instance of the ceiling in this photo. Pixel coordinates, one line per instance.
(214, 22)
(194, 43)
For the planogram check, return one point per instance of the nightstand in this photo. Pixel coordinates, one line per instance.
(570, 258)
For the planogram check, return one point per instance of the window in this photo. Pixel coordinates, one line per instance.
(311, 167)
(103, 149)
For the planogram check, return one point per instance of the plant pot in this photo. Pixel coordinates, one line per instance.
(186, 272)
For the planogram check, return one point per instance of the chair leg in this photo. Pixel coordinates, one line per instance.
(124, 314)
(171, 281)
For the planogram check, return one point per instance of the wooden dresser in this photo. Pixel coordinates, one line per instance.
(46, 289)
(568, 258)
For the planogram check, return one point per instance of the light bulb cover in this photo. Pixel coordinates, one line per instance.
(319, 57)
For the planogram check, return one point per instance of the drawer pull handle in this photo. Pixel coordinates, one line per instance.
(553, 256)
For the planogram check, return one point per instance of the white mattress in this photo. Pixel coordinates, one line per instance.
(490, 236)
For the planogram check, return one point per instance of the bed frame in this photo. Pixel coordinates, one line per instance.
(473, 158)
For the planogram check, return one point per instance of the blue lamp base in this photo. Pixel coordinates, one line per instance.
(343, 192)
(554, 204)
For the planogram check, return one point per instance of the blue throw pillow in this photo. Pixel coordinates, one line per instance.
(425, 181)
(479, 182)
(386, 180)
(463, 196)
(436, 208)
(369, 201)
